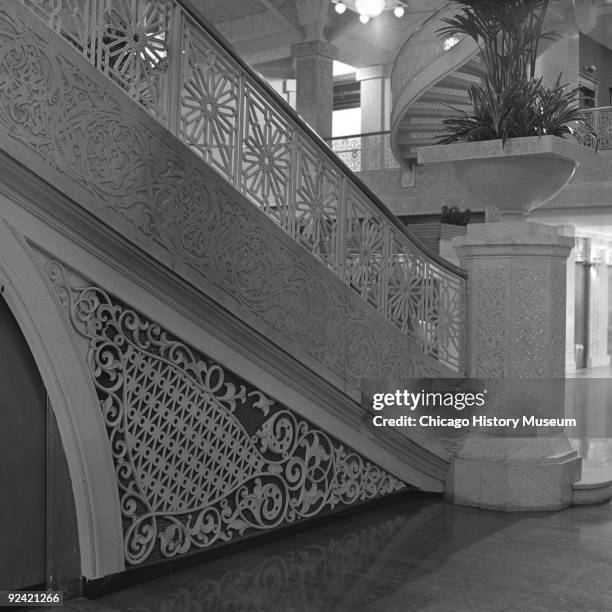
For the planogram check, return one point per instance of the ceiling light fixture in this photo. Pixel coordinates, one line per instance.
(368, 9)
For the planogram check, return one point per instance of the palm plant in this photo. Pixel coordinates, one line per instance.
(511, 102)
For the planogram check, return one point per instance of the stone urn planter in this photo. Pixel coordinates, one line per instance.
(515, 319)
(515, 178)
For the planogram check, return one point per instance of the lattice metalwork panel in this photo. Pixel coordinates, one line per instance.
(349, 150)
(195, 87)
(365, 152)
(317, 201)
(201, 456)
(600, 120)
(73, 19)
(604, 128)
(409, 293)
(126, 39)
(266, 157)
(210, 110)
(133, 49)
(423, 304)
(366, 250)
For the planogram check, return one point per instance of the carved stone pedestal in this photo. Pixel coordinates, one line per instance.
(516, 344)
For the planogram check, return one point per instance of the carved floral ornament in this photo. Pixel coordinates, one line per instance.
(201, 457)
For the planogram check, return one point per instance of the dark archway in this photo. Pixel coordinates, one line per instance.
(37, 515)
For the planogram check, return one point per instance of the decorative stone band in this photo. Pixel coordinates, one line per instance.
(201, 456)
(550, 146)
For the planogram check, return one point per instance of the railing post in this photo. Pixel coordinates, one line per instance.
(341, 229)
(175, 64)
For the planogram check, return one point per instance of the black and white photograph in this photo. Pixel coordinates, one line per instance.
(306, 305)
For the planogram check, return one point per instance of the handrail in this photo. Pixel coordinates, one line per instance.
(360, 135)
(170, 60)
(195, 13)
(441, 10)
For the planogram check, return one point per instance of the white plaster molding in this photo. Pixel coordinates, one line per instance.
(552, 146)
(73, 401)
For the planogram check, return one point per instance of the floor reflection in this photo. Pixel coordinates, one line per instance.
(413, 555)
(418, 554)
(312, 577)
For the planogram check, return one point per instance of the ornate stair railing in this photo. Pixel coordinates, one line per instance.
(170, 61)
(600, 119)
(362, 152)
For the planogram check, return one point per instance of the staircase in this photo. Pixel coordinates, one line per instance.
(421, 124)
(430, 77)
(220, 281)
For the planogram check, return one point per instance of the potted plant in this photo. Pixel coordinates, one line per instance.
(438, 235)
(510, 150)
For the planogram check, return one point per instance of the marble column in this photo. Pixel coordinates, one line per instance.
(375, 93)
(597, 342)
(516, 345)
(313, 64)
(570, 303)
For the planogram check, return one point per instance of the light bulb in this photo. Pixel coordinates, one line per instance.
(399, 11)
(364, 18)
(340, 8)
(371, 8)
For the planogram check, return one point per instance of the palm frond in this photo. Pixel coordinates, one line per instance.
(511, 102)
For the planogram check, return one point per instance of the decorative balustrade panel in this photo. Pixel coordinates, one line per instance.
(201, 456)
(365, 151)
(188, 81)
(600, 119)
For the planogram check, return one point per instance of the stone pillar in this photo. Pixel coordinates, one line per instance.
(516, 343)
(289, 89)
(375, 94)
(561, 56)
(375, 89)
(570, 304)
(313, 64)
(597, 342)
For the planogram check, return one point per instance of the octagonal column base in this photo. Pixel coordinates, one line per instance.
(514, 474)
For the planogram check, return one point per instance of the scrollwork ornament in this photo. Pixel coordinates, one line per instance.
(201, 456)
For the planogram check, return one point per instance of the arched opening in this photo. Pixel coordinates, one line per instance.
(38, 527)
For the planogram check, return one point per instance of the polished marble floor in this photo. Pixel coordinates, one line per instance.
(415, 554)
